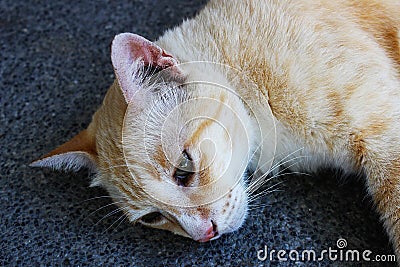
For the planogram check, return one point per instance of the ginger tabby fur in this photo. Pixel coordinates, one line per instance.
(330, 71)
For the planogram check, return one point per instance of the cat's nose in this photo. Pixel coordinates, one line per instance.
(210, 233)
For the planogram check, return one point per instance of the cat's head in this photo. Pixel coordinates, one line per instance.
(170, 143)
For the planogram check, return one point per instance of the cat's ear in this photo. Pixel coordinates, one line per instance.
(127, 50)
(79, 152)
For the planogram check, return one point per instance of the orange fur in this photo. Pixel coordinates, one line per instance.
(330, 74)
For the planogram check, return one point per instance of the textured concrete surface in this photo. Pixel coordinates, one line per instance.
(54, 71)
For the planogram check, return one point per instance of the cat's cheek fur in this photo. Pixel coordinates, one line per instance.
(232, 210)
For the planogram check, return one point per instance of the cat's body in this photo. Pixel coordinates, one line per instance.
(328, 70)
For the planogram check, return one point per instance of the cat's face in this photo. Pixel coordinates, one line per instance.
(186, 149)
(182, 155)
(174, 153)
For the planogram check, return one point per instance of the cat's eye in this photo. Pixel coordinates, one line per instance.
(152, 218)
(185, 169)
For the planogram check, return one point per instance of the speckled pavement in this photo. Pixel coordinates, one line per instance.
(54, 71)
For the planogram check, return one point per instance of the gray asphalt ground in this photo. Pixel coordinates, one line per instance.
(54, 71)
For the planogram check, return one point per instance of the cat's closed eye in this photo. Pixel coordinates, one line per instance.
(152, 218)
(185, 170)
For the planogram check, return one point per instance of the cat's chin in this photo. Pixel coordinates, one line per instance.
(234, 224)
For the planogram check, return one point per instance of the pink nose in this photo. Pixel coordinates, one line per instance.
(210, 233)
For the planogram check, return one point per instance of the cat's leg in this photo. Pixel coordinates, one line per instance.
(386, 195)
(379, 158)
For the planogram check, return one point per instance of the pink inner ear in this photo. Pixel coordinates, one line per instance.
(150, 53)
(127, 48)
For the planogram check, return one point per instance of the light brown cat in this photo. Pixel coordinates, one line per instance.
(246, 84)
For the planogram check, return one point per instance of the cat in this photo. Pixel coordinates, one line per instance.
(246, 85)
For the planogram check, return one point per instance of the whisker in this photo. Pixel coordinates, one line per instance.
(267, 191)
(258, 204)
(264, 193)
(110, 213)
(99, 197)
(254, 197)
(123, 219)
(275, 166)
(280, 173)
(294, 173)
(119, 218)
(253, 154)
(103, 207)
(280, 162)
(252, 207)
(258, 182)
